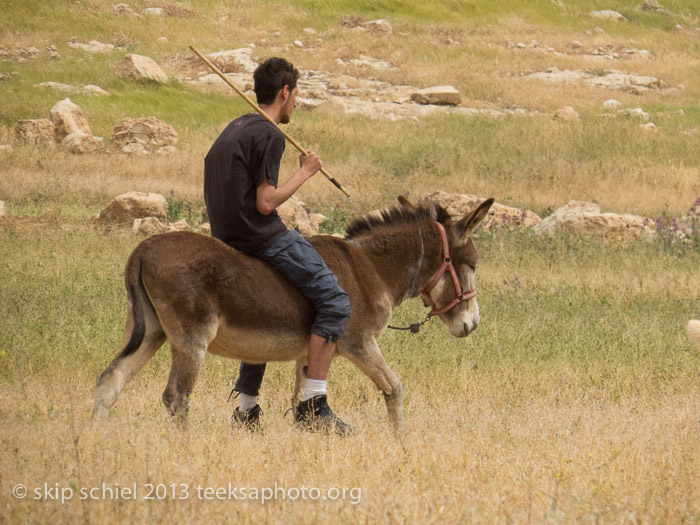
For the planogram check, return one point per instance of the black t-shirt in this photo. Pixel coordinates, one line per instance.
(246, 153)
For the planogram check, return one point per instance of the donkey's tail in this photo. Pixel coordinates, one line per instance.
(137, 296)
(143, 335)
(694, 333)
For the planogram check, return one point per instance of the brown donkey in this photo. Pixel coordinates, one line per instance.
(202, 295)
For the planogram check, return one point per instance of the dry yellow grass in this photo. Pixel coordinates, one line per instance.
(480, 448)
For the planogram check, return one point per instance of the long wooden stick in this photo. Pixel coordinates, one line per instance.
(265, 116)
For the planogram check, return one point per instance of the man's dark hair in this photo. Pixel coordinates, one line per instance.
(271, 76)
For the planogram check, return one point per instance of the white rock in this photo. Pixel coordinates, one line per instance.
(585, 218)
(57, 86)
(82, 143)
(135, 148)
(92, 47)
(440, 95)
(179, 226)
(69, 118)
(499, 216)
(296, 215)
(612, 104)
(148, 131)
(640, 114)
(134, 205)
(92, 89)
(3, 210)
(149, 226)
(649, 126)
(124, 9)
(373, 63)
(567, 113)
(139, 67)
(241, 57)
(153, 11)
(36, 131)
(608, 14)
(298, 43)
(379, 27)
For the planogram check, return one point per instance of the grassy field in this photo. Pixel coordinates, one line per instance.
(576, 400)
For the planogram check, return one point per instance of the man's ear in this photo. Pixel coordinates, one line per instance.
(284, 93)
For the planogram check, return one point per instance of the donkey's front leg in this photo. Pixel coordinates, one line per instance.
(368, 358)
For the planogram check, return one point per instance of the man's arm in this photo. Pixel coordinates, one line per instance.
(268, 198)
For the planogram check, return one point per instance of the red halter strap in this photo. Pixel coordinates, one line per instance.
(444, 267)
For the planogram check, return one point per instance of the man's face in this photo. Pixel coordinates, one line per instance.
(289, 105)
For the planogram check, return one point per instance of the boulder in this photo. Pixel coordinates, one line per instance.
(92, 89)
(440, 95)
(649, 126)
(149, 226)
(297, 216)
(612, 104)
(640, 114)
(608, 14)
(134, 205)
(56, 86)
(68, 118)
(153, 11)
(379, 27)
(92, 47)
(124, 9)
(374, 63)
(232, 60)
(499, 216)
(150, 132)
(3, 210)
(567, 113)
(141, 68)
(586, 218)
(82, 143)
(653, 5)
(135, 148)
(38, 131)
(179, 226)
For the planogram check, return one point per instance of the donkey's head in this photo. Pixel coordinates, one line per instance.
(451, 291)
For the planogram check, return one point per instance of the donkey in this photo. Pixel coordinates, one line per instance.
(202, 295)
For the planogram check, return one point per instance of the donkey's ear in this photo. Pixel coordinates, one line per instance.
(467, 224)
(403, 201)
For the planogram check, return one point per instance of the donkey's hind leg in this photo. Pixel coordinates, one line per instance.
(188, 354)
(299, 381)
(125, 366)
(368, 358)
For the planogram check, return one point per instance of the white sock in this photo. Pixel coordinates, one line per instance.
(314, 387)
(247, 402)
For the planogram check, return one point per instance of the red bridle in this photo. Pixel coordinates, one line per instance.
(444, 267)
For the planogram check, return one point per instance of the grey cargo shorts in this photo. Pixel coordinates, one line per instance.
(299, 262)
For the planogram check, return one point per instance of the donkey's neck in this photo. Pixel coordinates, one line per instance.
(404, 259)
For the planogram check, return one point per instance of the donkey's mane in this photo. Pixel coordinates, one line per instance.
(395, 216)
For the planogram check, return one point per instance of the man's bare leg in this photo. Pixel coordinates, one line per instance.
(320, 356)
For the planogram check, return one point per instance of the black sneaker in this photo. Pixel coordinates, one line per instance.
(315, 415)
(247, 419)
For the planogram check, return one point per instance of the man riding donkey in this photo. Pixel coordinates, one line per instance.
(242, 193)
